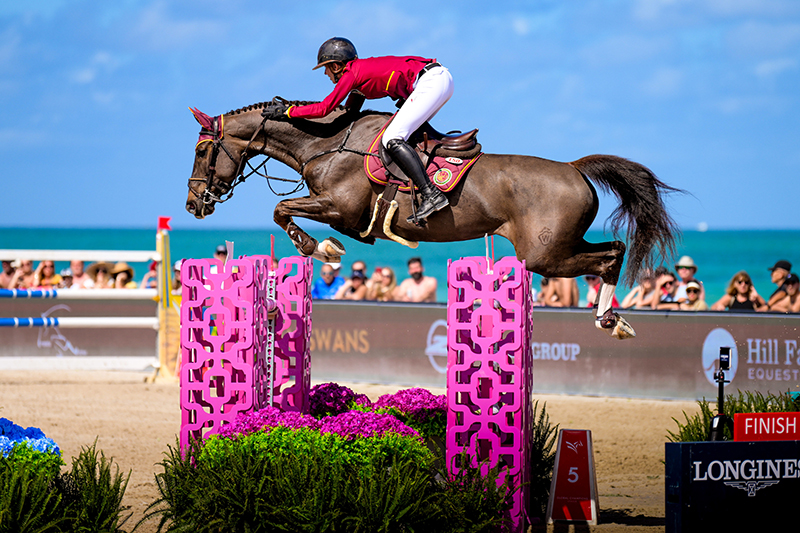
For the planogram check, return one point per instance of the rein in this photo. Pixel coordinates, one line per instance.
(226, 190)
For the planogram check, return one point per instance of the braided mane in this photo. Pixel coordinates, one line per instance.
(262, 105)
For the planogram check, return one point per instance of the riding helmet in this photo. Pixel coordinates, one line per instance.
(335, 49)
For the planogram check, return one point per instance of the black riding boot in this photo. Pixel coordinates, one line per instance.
(432, 198)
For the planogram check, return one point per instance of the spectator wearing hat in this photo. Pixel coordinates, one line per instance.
(23, 277)
(791, 302)
(357, 290)
(328, 284)
(779, 273)
(99, 274)
(66, 278)
(122, 274)
(6, 274)
(686, 270)
(694, 302)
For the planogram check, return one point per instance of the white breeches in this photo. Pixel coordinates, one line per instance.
(431, 92)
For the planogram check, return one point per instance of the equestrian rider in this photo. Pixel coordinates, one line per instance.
(421, 87)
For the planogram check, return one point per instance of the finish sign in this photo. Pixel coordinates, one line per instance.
(573, 491)
(766, 426)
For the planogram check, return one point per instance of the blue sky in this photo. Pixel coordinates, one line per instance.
(95, 129)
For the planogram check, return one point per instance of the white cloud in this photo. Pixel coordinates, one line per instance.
(754, 38)
(101, 62)
(664, 82)
(520, 25)
(651, 10)
(773, 67)
(157, 29)
(622, 49)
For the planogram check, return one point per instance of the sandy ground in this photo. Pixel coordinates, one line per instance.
(134, 421)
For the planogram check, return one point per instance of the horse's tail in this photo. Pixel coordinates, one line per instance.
(651, 231)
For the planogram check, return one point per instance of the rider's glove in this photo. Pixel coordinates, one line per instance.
(276, 112)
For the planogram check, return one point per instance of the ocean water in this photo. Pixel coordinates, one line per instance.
(718, 254)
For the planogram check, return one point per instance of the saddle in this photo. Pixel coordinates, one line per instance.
(426, 136)
(447, 159)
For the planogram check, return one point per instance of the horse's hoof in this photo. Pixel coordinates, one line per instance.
(331, 246)
(329, 251)
(619, 328)
(623, 330)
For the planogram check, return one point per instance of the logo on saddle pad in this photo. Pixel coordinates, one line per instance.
(442, 177)
(454, 160)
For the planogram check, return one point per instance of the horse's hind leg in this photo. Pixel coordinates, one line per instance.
(600, 259)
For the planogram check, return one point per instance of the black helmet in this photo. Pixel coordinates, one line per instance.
(335, 49)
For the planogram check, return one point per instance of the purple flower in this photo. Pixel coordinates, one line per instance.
(354, 424)
(332, 399)
(418, 403)
(267, 418)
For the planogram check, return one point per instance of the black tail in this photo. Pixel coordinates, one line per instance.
(651, 231)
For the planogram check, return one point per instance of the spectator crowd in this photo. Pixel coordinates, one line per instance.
(667, 289)
(677, 289)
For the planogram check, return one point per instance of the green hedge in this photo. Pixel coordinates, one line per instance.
(36, 497)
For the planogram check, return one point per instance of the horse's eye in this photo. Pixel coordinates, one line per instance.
(201, 152)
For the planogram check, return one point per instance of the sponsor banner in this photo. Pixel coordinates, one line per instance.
(55, 341)
(673, 356)
(573, 490)
(731, 486)
(766, 426)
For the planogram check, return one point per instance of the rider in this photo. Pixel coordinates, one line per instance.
(421, 87)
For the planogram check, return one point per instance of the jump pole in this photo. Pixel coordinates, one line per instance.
(245, 339)
(489, 371)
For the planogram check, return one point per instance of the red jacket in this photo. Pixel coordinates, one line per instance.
(374, 77)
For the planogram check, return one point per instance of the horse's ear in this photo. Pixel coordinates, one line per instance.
(203, 119)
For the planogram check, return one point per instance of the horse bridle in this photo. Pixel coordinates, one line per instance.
(226, 190)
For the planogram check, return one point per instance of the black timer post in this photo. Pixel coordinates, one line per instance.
(721, 420)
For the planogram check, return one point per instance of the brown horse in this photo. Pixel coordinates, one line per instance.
(543, 207)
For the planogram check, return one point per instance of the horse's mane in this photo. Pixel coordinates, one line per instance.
(262, 105)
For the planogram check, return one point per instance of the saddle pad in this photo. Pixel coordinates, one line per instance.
(443, 172)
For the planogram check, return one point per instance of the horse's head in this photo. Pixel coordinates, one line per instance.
(212, 175)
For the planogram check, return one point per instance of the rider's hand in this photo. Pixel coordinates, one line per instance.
(276, 112)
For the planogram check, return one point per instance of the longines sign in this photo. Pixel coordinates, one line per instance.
(731, 486)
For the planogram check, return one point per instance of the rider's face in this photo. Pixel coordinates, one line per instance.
(334, 70)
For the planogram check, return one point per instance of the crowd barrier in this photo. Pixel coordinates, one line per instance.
(140, 326)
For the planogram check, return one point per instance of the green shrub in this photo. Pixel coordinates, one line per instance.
(541, 460)
(360, 486)
(35, 498)
(697, 427)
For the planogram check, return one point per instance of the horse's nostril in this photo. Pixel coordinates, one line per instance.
(190, 207)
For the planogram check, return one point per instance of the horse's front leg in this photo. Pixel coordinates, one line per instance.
(320, 209)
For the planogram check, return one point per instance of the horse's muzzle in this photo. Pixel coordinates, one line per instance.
(199, 209)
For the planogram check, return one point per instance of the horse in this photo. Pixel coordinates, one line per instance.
(543, 207)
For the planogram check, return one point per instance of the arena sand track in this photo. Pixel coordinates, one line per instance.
(134, 421)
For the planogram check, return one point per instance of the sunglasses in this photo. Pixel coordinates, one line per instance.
(590, 278)
(743, 281)
(692, 291)
(326, 274)
(668, 283)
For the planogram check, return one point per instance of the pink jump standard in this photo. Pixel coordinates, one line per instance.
(245, 332)
(489, 370)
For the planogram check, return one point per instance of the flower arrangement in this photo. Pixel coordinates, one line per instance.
(418, 408)
(13, 435)
(328, 399)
